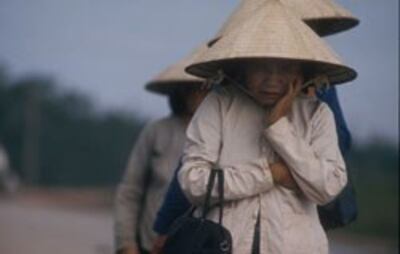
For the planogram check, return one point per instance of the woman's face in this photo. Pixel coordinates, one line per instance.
(269, 82)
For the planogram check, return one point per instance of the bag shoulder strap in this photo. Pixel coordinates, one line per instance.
(207, 202)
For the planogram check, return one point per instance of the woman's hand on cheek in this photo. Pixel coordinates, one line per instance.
(283, 106)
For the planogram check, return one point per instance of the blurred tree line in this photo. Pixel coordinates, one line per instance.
(375, 172)
(56, 138)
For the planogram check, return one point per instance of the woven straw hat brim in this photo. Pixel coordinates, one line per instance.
(336, 74)
(274, 32)
(325, 17)
(175, 76)
(321, 26)
(329, 26)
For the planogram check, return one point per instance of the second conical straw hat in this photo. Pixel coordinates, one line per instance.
(325, 17)
(272, 33)
(175, 76)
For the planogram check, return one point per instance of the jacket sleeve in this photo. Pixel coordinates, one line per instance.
(202, 150)
(131, 190)
(318, 166)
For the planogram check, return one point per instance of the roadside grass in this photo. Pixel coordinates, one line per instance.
(378, 202)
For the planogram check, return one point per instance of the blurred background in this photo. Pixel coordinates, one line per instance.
(72, 104)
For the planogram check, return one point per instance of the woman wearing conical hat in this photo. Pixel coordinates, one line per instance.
(154, 158)
(278, 149)
(324, 17)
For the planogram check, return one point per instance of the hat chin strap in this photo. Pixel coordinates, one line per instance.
(221, 76)
(215, 80)
(320, 82)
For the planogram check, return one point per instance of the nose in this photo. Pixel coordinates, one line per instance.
(272, 82)
(275, 72)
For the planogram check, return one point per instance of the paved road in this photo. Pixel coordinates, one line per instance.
(37, 230)
(32, 229)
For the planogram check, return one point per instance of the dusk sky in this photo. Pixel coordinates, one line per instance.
(110, 49)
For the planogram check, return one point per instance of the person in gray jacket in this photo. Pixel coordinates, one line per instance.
(153, 159)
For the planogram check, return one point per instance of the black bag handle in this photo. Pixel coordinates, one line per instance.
(211, 180)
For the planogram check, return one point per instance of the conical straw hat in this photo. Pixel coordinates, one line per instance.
(325, 17)
(272, 33)
(175, 76)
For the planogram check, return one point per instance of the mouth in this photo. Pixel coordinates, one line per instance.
(271, 95)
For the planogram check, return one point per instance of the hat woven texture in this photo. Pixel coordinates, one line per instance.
(272, 33)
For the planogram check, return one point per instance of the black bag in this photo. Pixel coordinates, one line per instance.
(341, 211)
(190, 235)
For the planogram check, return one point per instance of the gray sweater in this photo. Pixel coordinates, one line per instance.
(151, 166)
